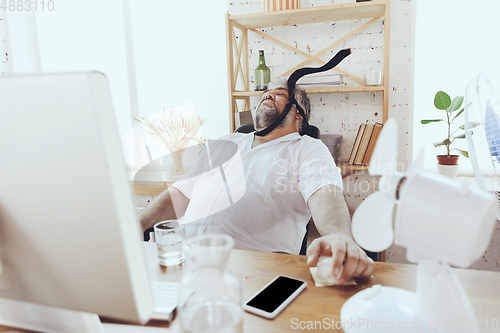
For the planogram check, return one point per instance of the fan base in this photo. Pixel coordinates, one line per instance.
(383, 309)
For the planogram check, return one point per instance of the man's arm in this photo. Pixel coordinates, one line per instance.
(331, 217)
(170, 205)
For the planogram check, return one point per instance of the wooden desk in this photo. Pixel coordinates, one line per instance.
(152, 189)
(255, 269)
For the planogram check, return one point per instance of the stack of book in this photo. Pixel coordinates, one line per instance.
(364, 144)
(320, 80)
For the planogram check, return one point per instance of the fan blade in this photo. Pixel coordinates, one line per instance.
(372, 223)
(385, 154)
(417, 165)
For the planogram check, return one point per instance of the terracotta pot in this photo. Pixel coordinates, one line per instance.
(445, 160)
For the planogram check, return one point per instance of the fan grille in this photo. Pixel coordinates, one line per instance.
(479, 95)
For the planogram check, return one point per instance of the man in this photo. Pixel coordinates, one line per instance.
(287, 178)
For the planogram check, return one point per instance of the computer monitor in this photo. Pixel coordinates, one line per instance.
(69, 237)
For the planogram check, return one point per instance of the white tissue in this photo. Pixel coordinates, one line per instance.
(322, 273)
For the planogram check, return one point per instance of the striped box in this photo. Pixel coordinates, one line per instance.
(274, 5)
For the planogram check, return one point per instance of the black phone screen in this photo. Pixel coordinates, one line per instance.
(275, 294)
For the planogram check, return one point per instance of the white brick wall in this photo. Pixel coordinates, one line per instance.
(4, 68)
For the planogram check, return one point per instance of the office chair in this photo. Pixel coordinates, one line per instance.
(312, 131)
(147, 233)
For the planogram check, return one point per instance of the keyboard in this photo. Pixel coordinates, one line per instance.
(166, 298)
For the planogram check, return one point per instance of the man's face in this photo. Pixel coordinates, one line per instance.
(270, 107)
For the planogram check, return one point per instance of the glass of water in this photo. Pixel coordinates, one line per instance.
(169, 237)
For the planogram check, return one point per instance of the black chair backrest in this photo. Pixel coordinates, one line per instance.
(245, 128)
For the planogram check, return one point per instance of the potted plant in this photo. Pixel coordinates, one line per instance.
(448, 164)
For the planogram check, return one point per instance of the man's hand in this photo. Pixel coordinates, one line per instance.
(344, 251)
(331, 217)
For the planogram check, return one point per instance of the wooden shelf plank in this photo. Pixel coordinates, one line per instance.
(353, 167)
(349, 11)
(343, 89)
(316, 90)
(240, 93)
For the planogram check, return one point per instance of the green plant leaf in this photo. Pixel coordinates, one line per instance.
(443, 143)
(458, 114)
(463, 152)
(428, 121)
(442, 100)
(461, 136)
(456, 103)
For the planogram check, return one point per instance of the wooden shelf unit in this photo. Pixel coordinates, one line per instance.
(237, 51)
(348, 11)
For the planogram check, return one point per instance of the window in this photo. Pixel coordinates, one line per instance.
(179, 53)
(454, 41)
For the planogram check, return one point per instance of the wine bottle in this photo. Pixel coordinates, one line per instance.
(262, 73)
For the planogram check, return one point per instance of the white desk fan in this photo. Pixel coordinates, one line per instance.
(440, 221)
(482, 130)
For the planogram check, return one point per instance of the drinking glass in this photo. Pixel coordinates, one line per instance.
(169, 237)
(373, 77)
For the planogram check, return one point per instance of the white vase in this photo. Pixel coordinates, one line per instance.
(448, 170)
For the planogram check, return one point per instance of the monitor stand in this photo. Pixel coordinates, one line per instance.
(41, 318)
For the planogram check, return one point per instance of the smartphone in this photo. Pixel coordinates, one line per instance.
(274, 297)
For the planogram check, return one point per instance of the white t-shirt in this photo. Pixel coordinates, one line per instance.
(258, 196)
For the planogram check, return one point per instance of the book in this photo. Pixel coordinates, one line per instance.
(373, 141)
(363, 145)
(320, 78)
(320, 85)
(336, 83)
(356, 143)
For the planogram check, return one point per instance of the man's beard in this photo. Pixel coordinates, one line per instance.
(267, 114)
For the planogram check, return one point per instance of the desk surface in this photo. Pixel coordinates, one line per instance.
(255, 269)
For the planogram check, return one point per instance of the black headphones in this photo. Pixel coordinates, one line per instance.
(292, 80)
